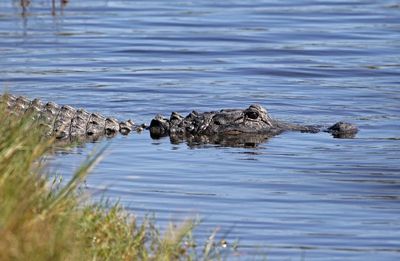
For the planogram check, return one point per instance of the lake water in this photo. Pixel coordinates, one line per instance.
(297, 196)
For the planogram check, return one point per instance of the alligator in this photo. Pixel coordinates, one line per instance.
(234, 127)
(228, 127)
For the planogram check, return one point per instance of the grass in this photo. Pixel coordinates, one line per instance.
(42, 220)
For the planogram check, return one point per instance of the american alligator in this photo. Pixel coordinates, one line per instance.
(229, 127)
(65, 122)
(234, 127)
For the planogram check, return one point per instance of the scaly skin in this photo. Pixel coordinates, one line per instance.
(66, 122)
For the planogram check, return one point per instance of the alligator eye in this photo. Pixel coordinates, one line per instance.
(252, 115)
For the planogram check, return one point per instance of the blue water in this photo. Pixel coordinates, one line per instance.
(297, 196)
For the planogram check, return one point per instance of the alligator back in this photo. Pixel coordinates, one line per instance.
(66, 122)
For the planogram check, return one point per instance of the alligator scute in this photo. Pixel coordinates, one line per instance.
(66, 122)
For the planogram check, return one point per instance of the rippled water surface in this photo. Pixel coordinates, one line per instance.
(312, 62)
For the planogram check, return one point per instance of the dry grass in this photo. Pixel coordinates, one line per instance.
(39, 220)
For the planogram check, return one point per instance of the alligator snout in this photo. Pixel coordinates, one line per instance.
(343, 130)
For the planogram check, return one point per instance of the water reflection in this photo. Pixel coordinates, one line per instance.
(63, 4)
(25, 4)
(244, 140)
(241, 141)
(56, 10)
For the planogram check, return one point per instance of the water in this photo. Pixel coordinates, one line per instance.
(312, 62)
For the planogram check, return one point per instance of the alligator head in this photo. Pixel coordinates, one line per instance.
(251, 124)
(253, 120)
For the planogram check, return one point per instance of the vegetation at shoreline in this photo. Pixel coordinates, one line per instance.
(42, 220)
